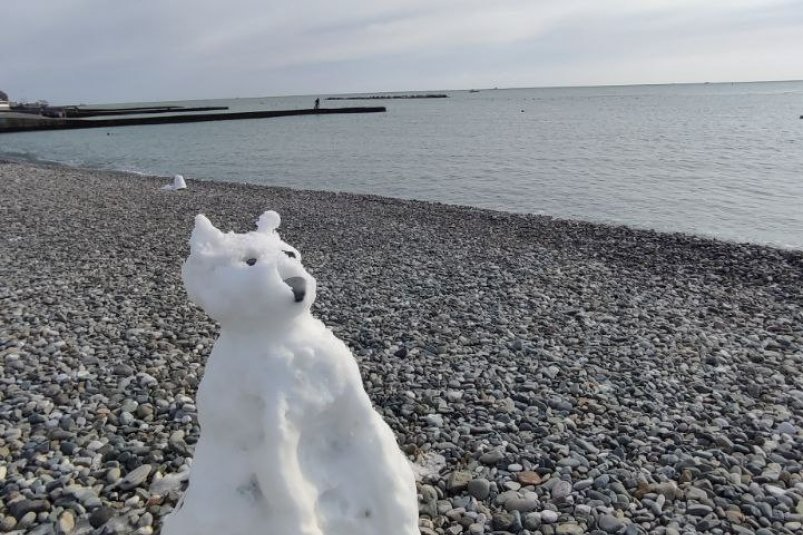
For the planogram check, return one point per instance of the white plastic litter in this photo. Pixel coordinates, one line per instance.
(178, 183)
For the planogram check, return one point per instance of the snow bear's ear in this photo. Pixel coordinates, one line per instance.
(268, 222)
(204, 232)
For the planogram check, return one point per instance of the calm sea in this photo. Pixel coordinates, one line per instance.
(723, 160)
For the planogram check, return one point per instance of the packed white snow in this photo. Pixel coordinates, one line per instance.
(178, 183)
(290, 444)
(428, 464)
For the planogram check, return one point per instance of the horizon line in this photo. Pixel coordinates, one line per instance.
(383, 92)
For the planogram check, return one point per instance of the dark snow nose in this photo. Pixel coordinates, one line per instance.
(299, 287)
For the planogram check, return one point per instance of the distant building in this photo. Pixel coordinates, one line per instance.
(4, 105)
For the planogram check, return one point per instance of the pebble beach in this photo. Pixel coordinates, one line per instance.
(549, 376)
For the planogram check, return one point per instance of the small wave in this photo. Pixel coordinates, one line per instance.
(31, 157)
(25, 156)
(135, 171)
(14, 154)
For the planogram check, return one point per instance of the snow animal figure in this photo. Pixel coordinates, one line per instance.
(290, 444)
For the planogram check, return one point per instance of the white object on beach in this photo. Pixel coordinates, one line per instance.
(290, 443)
(178, 183)
(428, 464)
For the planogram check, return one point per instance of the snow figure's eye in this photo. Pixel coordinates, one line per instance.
(291, 254)
(251, 261)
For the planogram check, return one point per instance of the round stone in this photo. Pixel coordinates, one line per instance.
(480, 488)
(609, 523)
(66, 522)
(492, 457)
(100, 516)
(548, 516)
(529, 478)
(561, 490)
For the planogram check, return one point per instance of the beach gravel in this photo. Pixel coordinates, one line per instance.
(561, 376)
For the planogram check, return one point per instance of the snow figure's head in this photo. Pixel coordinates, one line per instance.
(249, 280)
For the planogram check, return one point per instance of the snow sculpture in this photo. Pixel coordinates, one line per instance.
(178, 183)
(290, 444)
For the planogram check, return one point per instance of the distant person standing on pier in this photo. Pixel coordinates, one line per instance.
(317, 104)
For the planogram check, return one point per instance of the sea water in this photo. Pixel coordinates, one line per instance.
(722, 160)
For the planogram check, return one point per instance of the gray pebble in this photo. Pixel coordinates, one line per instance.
(479, 488)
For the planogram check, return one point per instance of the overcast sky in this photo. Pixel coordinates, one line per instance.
(71, 51)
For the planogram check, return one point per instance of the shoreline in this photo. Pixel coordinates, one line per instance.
(612, 225)
(573, 376)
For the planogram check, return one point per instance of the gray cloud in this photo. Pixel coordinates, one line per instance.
(101, 51)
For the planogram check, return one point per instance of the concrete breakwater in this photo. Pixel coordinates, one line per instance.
(391, 97)
(17, 122)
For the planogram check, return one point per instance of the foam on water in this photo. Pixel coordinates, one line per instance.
(721, 160)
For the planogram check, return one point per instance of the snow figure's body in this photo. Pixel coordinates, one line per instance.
(290, 444)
